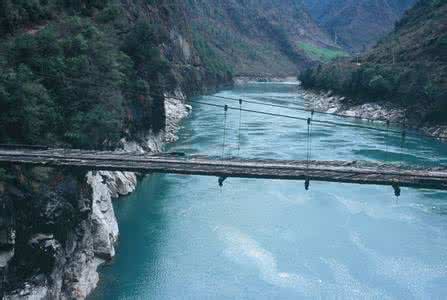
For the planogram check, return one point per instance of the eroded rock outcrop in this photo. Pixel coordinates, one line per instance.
(61, 225)
(57, 226)
(380, 111)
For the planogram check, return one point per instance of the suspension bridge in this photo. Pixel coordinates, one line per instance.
(359, 172)
(176, 163)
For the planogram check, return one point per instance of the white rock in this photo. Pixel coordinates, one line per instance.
(106, 185)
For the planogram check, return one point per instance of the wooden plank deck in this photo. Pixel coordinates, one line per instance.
(359, 172)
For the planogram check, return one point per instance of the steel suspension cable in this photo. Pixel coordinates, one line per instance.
(396, 186)
(80, 80)
(309, 151)
(251, 111)
(311, 125)
(224, 131)
(312, 112)
(319, 122)
(294, 108)
(402, 144)
(221, 179)
(240, 125)
(308, 142)
(387, 139)
(228, 98)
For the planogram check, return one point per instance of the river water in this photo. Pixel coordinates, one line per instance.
(183, 237)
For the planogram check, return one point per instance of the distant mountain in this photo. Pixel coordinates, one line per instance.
(357, 24)
(259, 36)
(408, 67)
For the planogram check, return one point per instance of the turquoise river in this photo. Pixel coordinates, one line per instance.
(183, 237)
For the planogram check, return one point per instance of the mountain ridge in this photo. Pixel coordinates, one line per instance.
(407, 68)
(258, 37)
(357, 24)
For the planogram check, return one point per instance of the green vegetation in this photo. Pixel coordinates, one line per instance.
(416, 86)
(407, 68)
(213, 62)
(357, 25)
(70, 82)
(16, 13)
(47, 91)
(78, 73)
(321, 54)
(240, 34)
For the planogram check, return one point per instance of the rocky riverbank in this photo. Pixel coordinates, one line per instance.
(327, 101)
(69, 270)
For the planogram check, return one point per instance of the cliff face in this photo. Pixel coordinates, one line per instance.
(256, 37)
(125, 66)
(51, 233)
(357, 24)
(57, 226)
(188, 68)
(62, 227)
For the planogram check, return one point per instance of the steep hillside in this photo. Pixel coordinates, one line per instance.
(85, 73)
(257, 37)
(90, 74)
(407, 68)
(357, 24)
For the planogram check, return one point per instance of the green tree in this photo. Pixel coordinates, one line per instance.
(379, 85)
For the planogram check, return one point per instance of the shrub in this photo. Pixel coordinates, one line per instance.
(379, 85)
(55, 86)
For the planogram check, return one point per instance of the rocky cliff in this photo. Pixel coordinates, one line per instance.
(58, 226)
(122, 67)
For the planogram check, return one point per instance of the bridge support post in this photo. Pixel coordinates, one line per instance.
(396, 188)
(221, 180)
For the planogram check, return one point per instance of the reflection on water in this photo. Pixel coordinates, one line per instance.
(184, 237)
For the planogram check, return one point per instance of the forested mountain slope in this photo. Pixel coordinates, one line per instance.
(258, 37)
(85, 73)
(357, 24)
(408, 67)
(82, 74)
